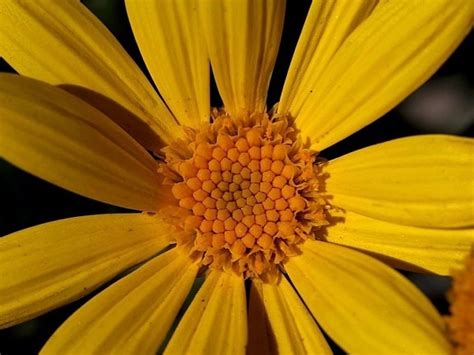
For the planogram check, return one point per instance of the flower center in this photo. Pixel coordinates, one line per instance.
(250, 191)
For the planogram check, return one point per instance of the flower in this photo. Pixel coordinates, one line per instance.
(406, 202)
(460, 322)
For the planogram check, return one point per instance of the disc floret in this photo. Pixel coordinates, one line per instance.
(249, 189)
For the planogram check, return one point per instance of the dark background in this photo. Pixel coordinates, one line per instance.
(443, 105)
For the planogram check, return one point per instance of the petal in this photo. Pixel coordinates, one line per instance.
(243, 39)
(261, 338)
(52, 264)
(216, 320)
(411, 248)
(293, 329)
(54, 135)
(424, 181)
(364, 305)
(65, 44)
(398, 47)
(130, 123)
(131, 316)
(326, 27)
(171, 44)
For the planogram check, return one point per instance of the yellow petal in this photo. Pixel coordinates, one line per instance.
(399, 46)
(52, 264)
(130, 123)
(326, 27)
(261, 338)
(54, 135)
(131, 316)
(425, 181)
(243, 39)
(364, 305)
(170, 41)
(411, 248)
(293, 329)
(216, 320)
(63, 43)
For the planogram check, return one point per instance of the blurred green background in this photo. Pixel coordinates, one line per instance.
(444, 104)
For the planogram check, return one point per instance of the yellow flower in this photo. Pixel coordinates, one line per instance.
(407, 202)
(460, 322)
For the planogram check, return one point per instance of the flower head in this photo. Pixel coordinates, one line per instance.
(238, 194)
(461, 324)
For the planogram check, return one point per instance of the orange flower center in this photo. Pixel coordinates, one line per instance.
(249, 189)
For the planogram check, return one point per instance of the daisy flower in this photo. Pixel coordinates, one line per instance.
(240, 194)
(460, 321)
